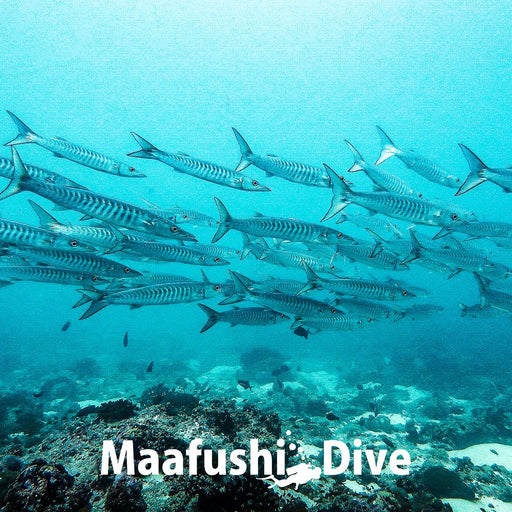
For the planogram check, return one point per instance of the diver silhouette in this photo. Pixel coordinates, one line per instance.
(299, 474)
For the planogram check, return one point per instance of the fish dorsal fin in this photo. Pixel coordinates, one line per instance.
(61, 138)
(205, 277)
(258, 214)
(271, 155)
(181, 153)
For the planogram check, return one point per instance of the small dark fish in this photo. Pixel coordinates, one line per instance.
(301, 331)
(482, 509)
(360, 387)
(244, 384)
(37, 394)
(387, 441)
(279, 371)
(494, 451)
(125, 339)
(89, 409)
(149, 369)
(66, 326)
(331, 416)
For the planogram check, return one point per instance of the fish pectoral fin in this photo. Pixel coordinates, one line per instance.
(57, 155)
(135, 306)
(454, 272)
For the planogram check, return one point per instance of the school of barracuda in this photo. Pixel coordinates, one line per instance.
(79, 255)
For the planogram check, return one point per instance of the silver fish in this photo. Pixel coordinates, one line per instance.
(79, 261)
(180, 215)
(422, 311)
(361, 288)
(479, 311)
(479, 172)
(242, 316)
(91, 204)
(371, 309)
(44, 274)
(458, 259)
(383, 180)
(61, 148)
(336, 322)
(491, 297)
(417, 163)
(197, 168)
(275, 166)
(479, 229)
(368, 255)
(374, 223)
(407, 208)
(38, 173)
(151, 295)
(275, 227)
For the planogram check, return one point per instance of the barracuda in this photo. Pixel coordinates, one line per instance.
(407, 208)
(292, 304)
(38, 173)
(165, 252)
(91, 204)
(180, 215)
(79, 261)
(417, 163)
(152, 295)
(491, 297)
(286, 169)
(197, 168)
(458, 260)
(479, 229)
(383, 180)
(62, 148)
(335, 322)
(479, 172)
(361, 288)
(370, 309)
(16, 233)
(52, 275)
(367, 254)
(275, 227)
(242, 316)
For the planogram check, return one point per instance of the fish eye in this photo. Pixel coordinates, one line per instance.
(454, 216)
(73, 243)
(217, 288)
(127, 270)
(255, 183)
(333, 310)
(174, 229)
(216, 258)
(339, 235)
(132, 169)
(185, 216)
(94, 278)
(404, 293)
(332, 267)
(281, 315)
(369, 319)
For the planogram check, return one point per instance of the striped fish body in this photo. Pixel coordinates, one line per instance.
(385, 180)
(500, 177)
(107, 209)
(175, 253)
(485, 229)
(336, 322)
(18, 234)
(187, 216)
(427, 169)
(37, 173)
(286, 286)
(217, 250)
(291, 171)
(422, 311)
(291, 259)
(366, 289)
(53, 275)
(375, 310)
(78, 261)
(161, 294)
(365, 254)
(479, 311)
(251, 316)
(146, 280)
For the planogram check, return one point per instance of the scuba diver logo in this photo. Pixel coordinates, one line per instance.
(297, 475)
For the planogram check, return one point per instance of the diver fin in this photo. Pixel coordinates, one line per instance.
(388, 148)
(25, 135)
(476, 174)
(245, 150)
(224, 218)
(212, 317)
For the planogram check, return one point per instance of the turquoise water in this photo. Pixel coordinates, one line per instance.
(295, 80)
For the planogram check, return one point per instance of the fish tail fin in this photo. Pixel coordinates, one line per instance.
(224, 218)
(213, 317)
(358, 159)
(25, 135)
(340, 190)
(297, 322)
(247, 246)
(388, 148)
(20, 176)
(444, 231)
(147, 149)
(416, 249)
(311, 277)
(46, 221)
(476, 174)
(4, 283)
(463, 309)
(245, 150)
(121, 239)
(379, 243)
(96, 299)
(241, 284)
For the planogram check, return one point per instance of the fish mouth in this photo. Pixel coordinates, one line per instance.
(263, 188)
(135, 175)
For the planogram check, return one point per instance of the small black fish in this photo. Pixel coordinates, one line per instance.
(125, 340)
(37, 394)
(482, 509)
(245, 384)
(66, 326)
(149, 369)
(494, 451)
(279, 371)
(331, 416)
(301, 331)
